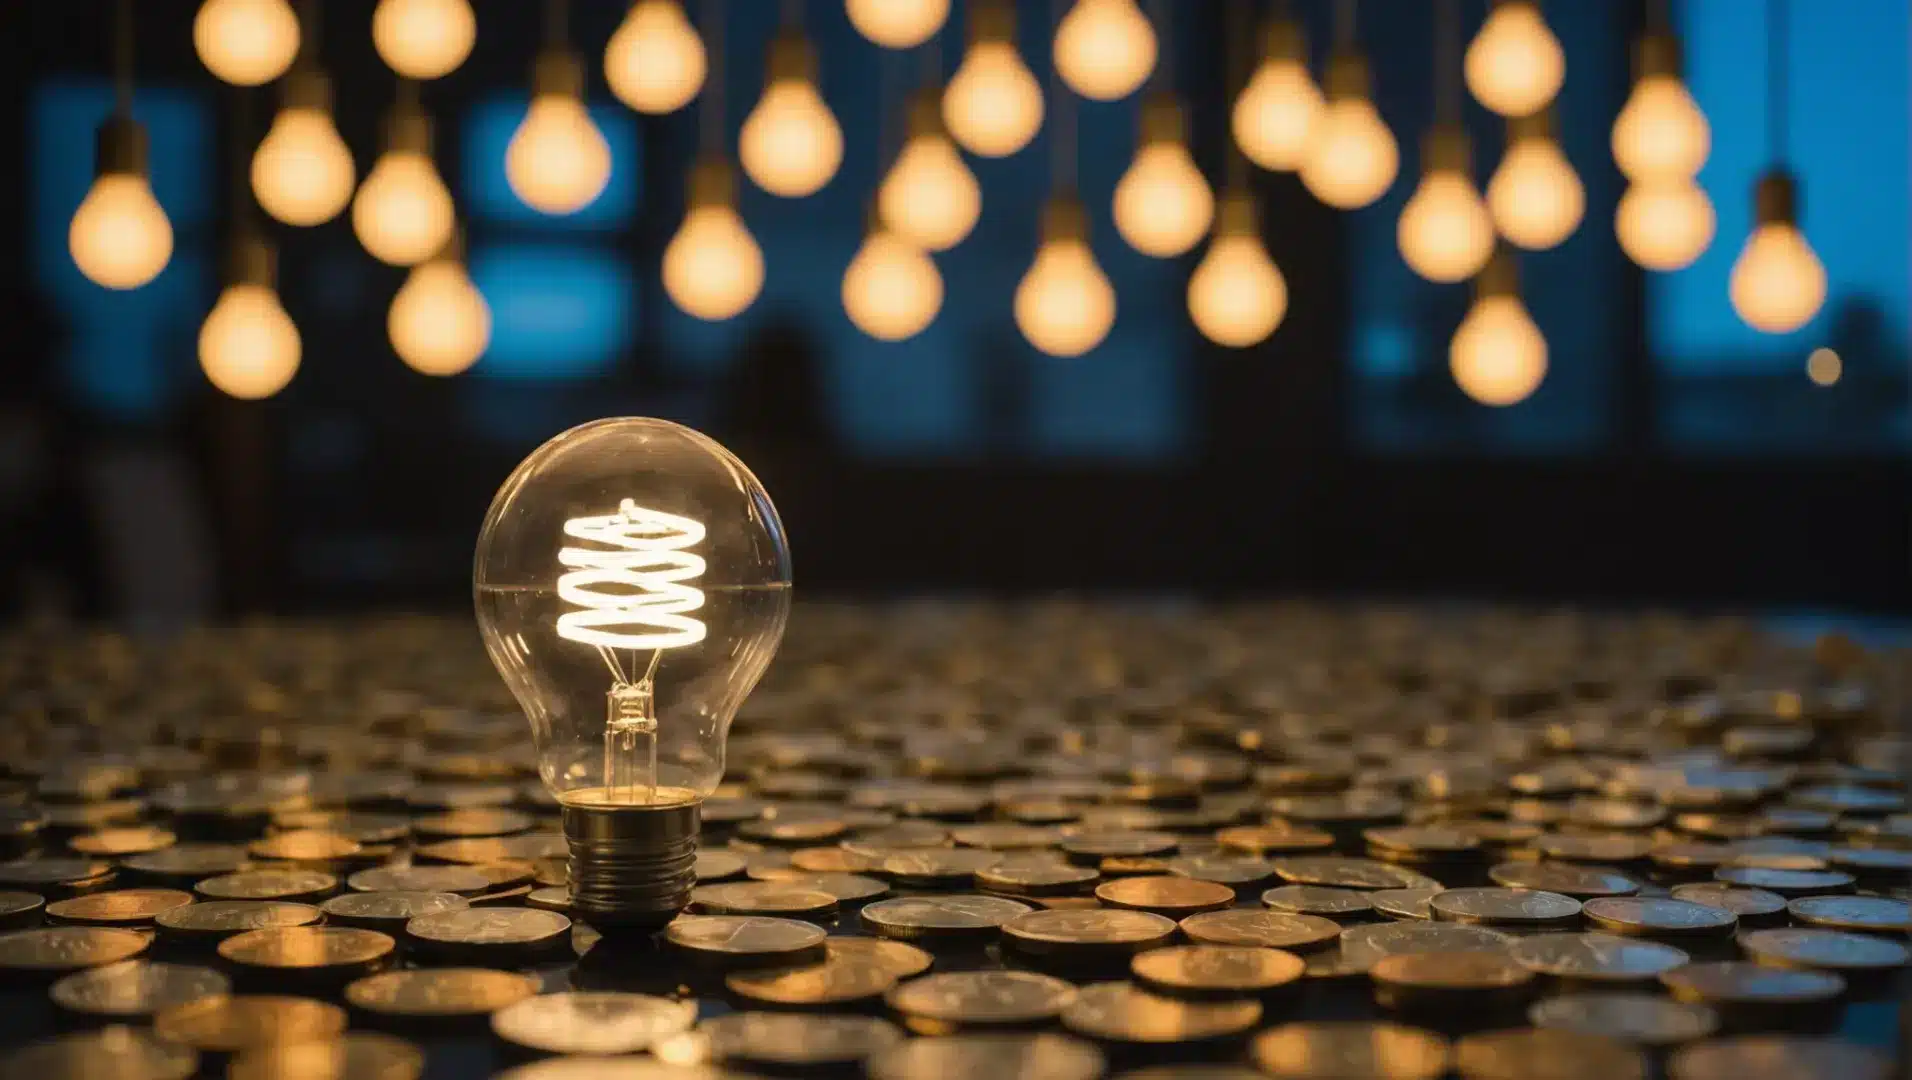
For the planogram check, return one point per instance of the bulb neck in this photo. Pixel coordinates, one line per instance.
(1235, 215)
(1538, 125)
(791, 59)
(557, 73)
(120, 148)
(711, 183)
(1348, 77)
(991, 20)
(925, 113)
(252, 261)
(1776, 198)
(408, 130)
(1284, 39)
(1657, 53)
(1162, 120)
(1446, 149)
(1063, 219)
(1498, 278)
(307, 89)
(632, 867)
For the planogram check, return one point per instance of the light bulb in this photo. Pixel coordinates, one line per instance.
(439, 322)
(1445, 233)
(891, 290)
(1823, 367)
(897, 24)
(1498, 355)
(403, 212)
(246, 42)
(557, 161)
(1661, 134)
(424, 39)
(1163, 205)
(655, 61)
(1237, 295)
(1778, 283)
(1275, 116)
(1352, 158)
(1664, 224)
(248, 346)
(632, 584)
(993, 105)
(1536, 198)
(1515, 66)
(1105, 48)
(713, 268)
(302, 173)
(1064, 304)
(119, 236)
(929, 197)
(790, 143)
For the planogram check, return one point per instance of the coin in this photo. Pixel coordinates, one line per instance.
(55, 877)
(1091, 848)
(1045, 879)
(1547, 1054)
(1197, 971)
(952, 919)
(763, 898)
(1650, 917)
(332, 954)
(718, 865)
(1733, 982)
(1870, 914)
(120, 907)
(784, 1041)
(388, 911)
(1787, 883)
(1318, 900)
(1447, 980)
(837, 981)
(746, 940)
(439, 996)
(1594, 847)
(1643, 1019)
(553, 898)
(464, 880)
(1364, 946)
(946, 1003)
(1822, 949)
(1568, 879)
(1751, 906)
(1234, 871)
(1350, 1050)
(293, 885)
(358, 1055)
(1777, 1057)
(1087, 935)
(20, 909)
(118, 843)
(229, 1025)
(305, 845)
(211, 920)
(1267, 929)
(938, 867)
(1122, 1013)
(473, 821)
(183, 864)
(54, 950)
(1041, 1056)
(1342, 872)
(1174, 897)
(1403, 903)
(592, 1022)
(490, 933)
(135, 989)
(115, 1051)
(846, 888)
(1596, 957)
(1522, 909)
(1273, 839)
(1005, 836)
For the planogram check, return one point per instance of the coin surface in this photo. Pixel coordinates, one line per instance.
(1038, 879)
(1120, 1012)
(1547, 1054)
(1215, 970)
(1088, 935)
(1823, 949)
(1527, 909)
(1750, 905)
(479, 931)
(464, 880)
(114, 1051)
(1645, 1019)
(781, 1040)
(746, 939)
(718, 865)
(20, 909)
(955, 1001)
(118, 843)
(1266, 929)
(955, 918)
(1736, 982)
(1174, 897)
(135, 989)
(120, 907)
(763, 898)
(1777, 1057)
(357, 1055)
(214, 919)
(1093, 847)
(388, 911)
(1568, 879)
(581, 1022)
(846, 888)
(333, 951)
(1342, 872)
(268, 885)
(1364, 946)
(32, 873)
(1457, 979)
(1596, 957)
(938, 867)
(1788, 883)
(1235, 871)
(228, 1025)
(51, 949)
(305, 845)
(1403, 903)
(439, 993)
(1652, 917)
(1045, 1056)
(186, 863)
(836, 981)
(1350, 1050)
(1319, 900)
(1868, 914)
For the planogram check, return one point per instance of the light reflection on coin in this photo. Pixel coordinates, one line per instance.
(1215, 970)
(956, 916)
(940, 1004)
(746, 937)
(1350, 1050)
(68, 948)
(1100, 933)
(1367, 945)
(1597, 957)
(358, 1055)
(1002, 1056)
(1533, 1053)
(1646, 1019)
(834, 982)
(592, 1022)
(439, 992)
(115, 1051)
(1268, 929)
(1120, 1012)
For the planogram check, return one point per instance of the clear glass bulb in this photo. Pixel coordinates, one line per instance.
(557, 160)
(892, 290)
(120, 237)
(403, 212)
(993, 105)
(713, 268)
(1664, 224)
(1064, 305)
(1237, 295)
(1105, 49)
(1515, 65)
(1163, 206)
(439, 322)
(246, 42)
(1778, 283)
(302, 173)
(655, 61)
(930, 197)
(1536, 198)
(897, 24)
(790, 143)
(1445, 233)
(248, 345)
(1498, 355)
(1353, 158)
(424, 39)
(632, 583)
(1661, 134)
(1276, 115)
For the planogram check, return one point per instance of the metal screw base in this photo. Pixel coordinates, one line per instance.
(632, 867)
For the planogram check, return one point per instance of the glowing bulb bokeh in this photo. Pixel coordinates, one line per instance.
(790, 144)
(557, 161)
(1352, 158)
(1515, 65)
(1498, 356)
(891, 290)
(1664, 224)
(248, 345)
(655, 62)
(424, 39)
(993, 105)
(1104, 49)
(120, 237)
(403, 212)
(1445, 233)
(302, 173)
(1276, 115)
(1064, 305)
(1661, 134)
(1237, 296)
(1163, 205)
(246, 42)
(897, 24)
(930, 197)
(1536, 198)
(439, 322)
(713, 268)
(1824, 366)
(1778, 283)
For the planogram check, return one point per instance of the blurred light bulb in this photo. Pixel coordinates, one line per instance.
(557, 161)
(930, 197)
(1352, 158)
(246, 42)
(897, 24)
(993, 105)
(302, 173)
(1276, 114)
(1064, 304)
(120, 237)
(439, 322)
(1535, 196)
(1778, 282)
(1105, 48)
(1445, 233)
(713, 268)
(1163, 205)
(403, 212)
(1515, 66)
(790, 144)
(1237, 295)
(1498, 355)
(891, 290)
(248, 346)
(1661, 134)
(1824, 367)
(632, 584)
(424, 39)
(655, 61)
(1664, 224)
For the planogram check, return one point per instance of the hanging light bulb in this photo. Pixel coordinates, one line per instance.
(120, 237)
(655, 61)
(1237, 295)
(993, 105)
(1275, 115)
(439, 321)
(403, 212)
(1445, 233)
(790, 144)
(557, 161)
(302, 173)
(897, 24)
(1352, 158)
(1064, 304)
(930, 197)
(1515, 66)
(1162, 203)
(248, 345)
(713, 268)
(1535, 196)
(246, 42)
(1105, 49)
(1778, 283)
(1498, 356)
(891, 290)
(1664, 224)
(424, 39)
(1660, 134)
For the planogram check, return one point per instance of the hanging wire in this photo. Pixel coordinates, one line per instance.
(557, 20)
(1447, 62)
(1344, 25)
(1062, 145)
(793, 14)
(1776, 78)
(886, 83)
(406, 97)
(1162, 78)
(1239, 38)
(241, 143)
(308, 54)
(932, 63)
(710, 112)
(123, 58)
(1659, 19)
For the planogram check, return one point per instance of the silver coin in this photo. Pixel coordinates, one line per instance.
(135, 989)
(1746, 903)
(1321, 900)
(1364, 946)
(1647, 1019)
(1828, 950)
(1403, 903)
(1597, 957)
(1342, 872)
(1231, 870)
(940, 1004)
(1568, 879)
(1878, 914)
(1649, 916)
(1526, 908)
(463, 880)
(592, 1022)
(1004, 1056)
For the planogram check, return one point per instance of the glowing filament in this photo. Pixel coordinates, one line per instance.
(639, 552)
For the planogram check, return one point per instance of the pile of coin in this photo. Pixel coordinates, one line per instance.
(1065, 840)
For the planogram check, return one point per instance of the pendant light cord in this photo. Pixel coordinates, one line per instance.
(1776, 80)
(886, 83)
(1163, 77)
(557, 20)
(1344, 25)
(710, 112)
(123, 58)
(1447, 63)
(308, 54)
(1062, 139)
(793, 14)
(240, 138)
(1240, 37)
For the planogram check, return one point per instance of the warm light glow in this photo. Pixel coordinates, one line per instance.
(1535, 196)
(1276, 115)
(897, 24)
(1237, 295)
(403, 212)
(639, 552)
(791, 144)
(1105, 48)
(424, 39)
(1664, 224)
(713, 268)
(1498, 355)
(891, 290)
(1778, 283)
(1064, 304)
(439, 322)
(120, 237)
(248, 346)
(302, 173)
(1823, 366)
(557, 160)
(1353, 158)
(655, 62)
(1162, 204)
(1445, 233)
(930, 197)
(246, 42)
(1515, 65)
(1661, 134)
(993, 106)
